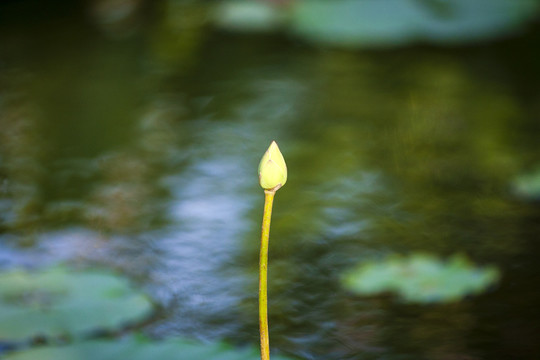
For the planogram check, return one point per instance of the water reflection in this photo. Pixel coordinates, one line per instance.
(212, 199)
(23, 171)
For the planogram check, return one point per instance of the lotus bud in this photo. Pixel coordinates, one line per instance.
(272, 169)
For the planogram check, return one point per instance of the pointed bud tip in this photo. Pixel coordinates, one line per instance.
(272, 168)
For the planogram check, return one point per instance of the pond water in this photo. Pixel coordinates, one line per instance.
(136, 147)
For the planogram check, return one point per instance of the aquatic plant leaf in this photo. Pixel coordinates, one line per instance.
(357, 23)
(421, 278)
(58, 301)
(246, 15)
(134, 349)
(527, 185)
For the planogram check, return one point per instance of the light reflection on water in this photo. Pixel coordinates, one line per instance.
(187, 262)
(209, 211)
(380, 161)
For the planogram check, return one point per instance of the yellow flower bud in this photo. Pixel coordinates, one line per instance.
(272, 169)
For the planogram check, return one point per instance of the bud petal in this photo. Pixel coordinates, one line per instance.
(272, 168)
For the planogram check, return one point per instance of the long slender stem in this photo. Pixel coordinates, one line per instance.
(263, 275)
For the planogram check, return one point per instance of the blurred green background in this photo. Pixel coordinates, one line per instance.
(131, 131)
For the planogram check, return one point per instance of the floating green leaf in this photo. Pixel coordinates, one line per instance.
(421, 278)
(58, 301)
(527, 185)
(247, 15)
(133, 349)
(355, 23)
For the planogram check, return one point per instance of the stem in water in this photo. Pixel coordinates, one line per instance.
(263, 275)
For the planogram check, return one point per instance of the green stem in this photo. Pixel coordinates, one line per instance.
(263, 275)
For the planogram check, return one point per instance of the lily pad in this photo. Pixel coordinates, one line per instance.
(134, 349)
(358, 23)
(58, 301)
(421, 278)
(527, 186)
(248, 15)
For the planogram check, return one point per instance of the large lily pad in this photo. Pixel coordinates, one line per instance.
(133, 349)
(58, 302)
(356, 23)
(421, 278)
(372, 23)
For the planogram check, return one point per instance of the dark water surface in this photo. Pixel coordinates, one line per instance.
(136, 147)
